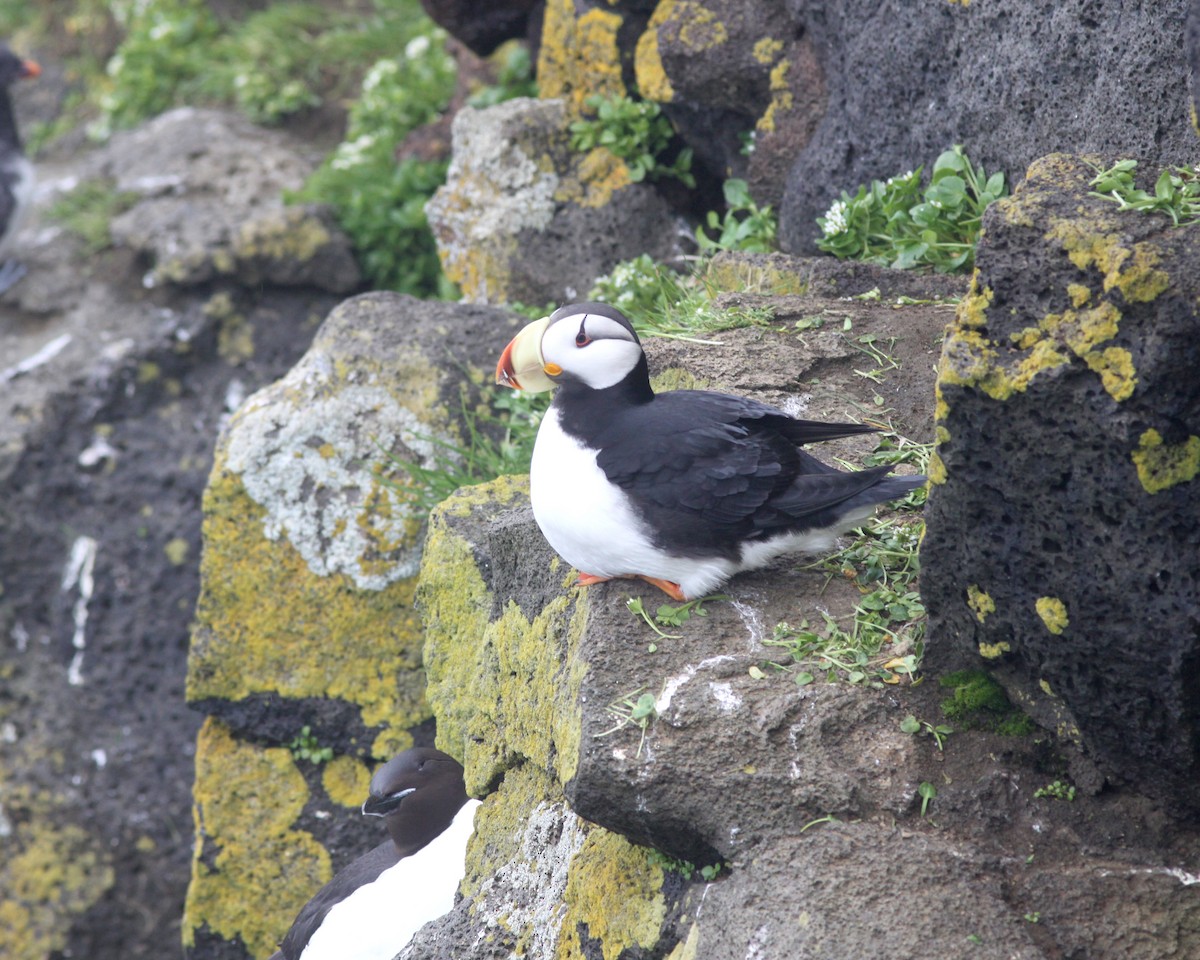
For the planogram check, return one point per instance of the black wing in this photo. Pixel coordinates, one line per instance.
(714, 469)
(365, 869)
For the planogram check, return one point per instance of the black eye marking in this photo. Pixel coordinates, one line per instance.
(581, 338)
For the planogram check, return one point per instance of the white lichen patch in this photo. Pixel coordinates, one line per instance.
(525, 896)
(494, 187)
(311, 463)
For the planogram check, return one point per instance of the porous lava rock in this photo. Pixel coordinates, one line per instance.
(1063, 522)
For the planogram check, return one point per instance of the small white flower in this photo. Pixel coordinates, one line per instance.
(835, 219)
(416, 47)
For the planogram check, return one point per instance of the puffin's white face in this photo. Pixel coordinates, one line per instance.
(572, 344)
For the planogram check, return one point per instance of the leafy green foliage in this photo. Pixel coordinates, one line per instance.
(1176, 191)
(1058, 790)
(163, 58)
(381, 203)
(939, 732)
(304, 746)
(88, 210)
(686, 868)
(896, 223)
(745, 225)
(628, 710)
(500, 433)
(661, 302)
(670, 616)
(514, 77)
(635, 131)
(927, 792)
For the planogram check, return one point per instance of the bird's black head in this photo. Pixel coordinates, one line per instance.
(417, 792)
(13, 68)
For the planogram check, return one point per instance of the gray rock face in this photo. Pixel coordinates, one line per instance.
(523, 218)
(1062, 531)
(483, 29)
(212, 189)
(1008, 82)
(112, 395)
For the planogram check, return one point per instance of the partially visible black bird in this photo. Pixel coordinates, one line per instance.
(371, 909)
(16, 172)
(682, 489)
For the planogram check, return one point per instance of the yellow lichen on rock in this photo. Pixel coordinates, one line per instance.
(579, 55)
(767, 50)
(652, 80)
(263, 870)
(993, 651)
(265, 623)
(616, 893)
(1161, 466)
(1053, 613)
(980, 602)
(291, 233)
(782, 98)
(1117, 374)
(593, 178)
(347, 781)
(502, 688)
(50, 871)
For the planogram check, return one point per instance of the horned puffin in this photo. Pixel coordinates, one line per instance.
(683, 489)
(372, 908)
(16, 172)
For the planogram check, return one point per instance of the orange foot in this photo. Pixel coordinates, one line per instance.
(672, 590)
(587, 579)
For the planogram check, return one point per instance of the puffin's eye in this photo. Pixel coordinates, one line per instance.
(581, 338)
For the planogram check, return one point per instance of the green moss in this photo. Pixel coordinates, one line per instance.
(1161, 466)
(51, 871)
(615, 891)
(246, 800)
(502, 689)
(979, 702)
(980, 602)
(265, 623)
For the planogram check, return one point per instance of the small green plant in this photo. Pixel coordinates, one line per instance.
(745, 225)
(304, 747)
(895, 222)
(1033, 916)
(637, 132)
(927, 792)
(88, 211)
(1056, 791)
(1176, 191)
(514, 77)
(662, 302)
(499, 435)
(163, 57)
(381, 203)
(627, 710)
(670, 616)
(685, 868)
(939, 732)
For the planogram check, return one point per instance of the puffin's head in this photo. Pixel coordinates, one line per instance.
(589, 343)
(14, 68)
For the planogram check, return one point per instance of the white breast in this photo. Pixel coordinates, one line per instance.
(587, 520)
(378, 919)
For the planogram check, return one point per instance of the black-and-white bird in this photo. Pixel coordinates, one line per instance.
(683, 489)
(372, 908)
(16, 172)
